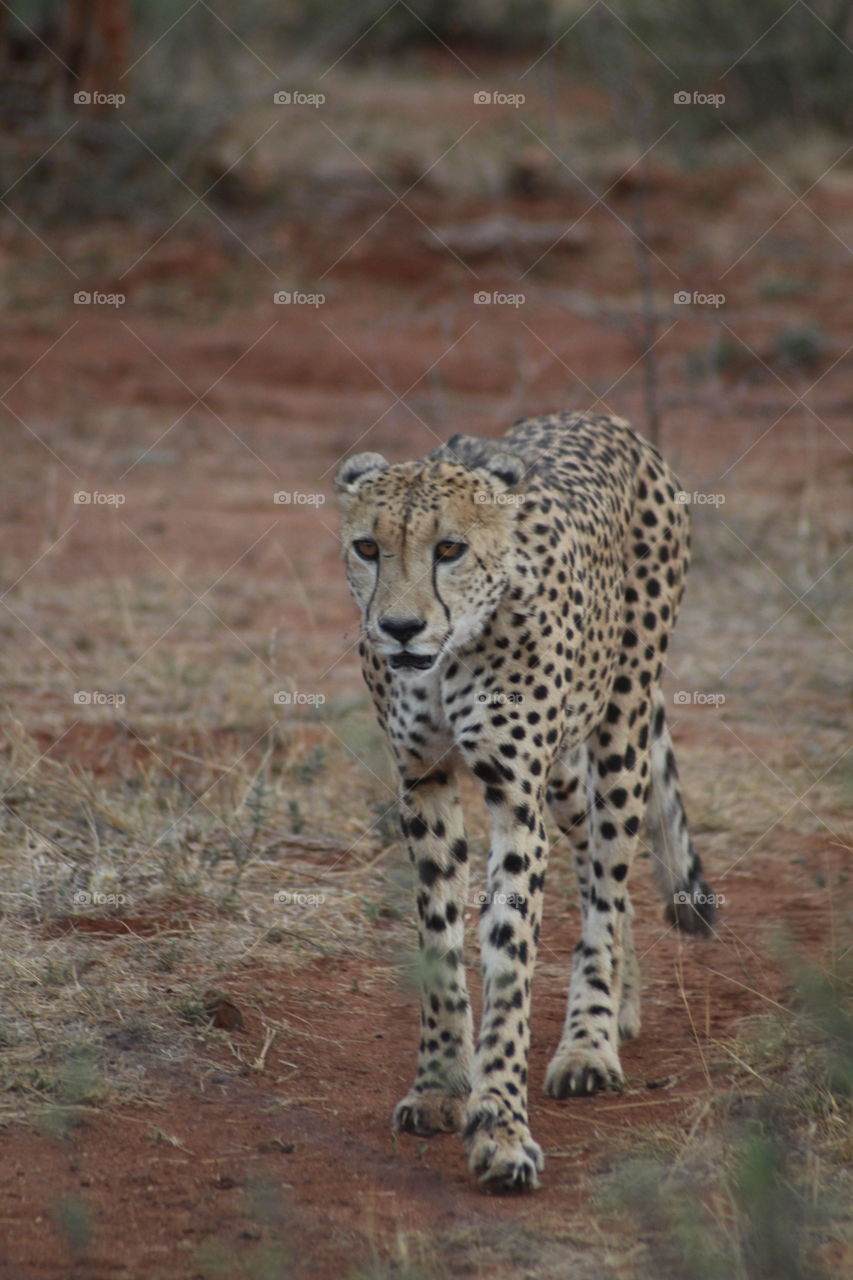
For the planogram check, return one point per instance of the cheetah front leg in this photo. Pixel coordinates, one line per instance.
(433, 827)
(501, 1150)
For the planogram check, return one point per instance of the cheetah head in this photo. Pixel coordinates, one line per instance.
(429, 548)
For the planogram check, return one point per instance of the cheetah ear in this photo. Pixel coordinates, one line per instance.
(354, 470)
(508, 468)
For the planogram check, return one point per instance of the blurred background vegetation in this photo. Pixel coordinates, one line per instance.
(195, 67)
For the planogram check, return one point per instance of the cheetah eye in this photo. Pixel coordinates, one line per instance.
(450, 550)
(366, 548)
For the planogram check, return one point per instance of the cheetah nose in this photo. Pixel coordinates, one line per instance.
(402, 629)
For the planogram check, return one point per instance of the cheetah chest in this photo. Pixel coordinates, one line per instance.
(417, 718)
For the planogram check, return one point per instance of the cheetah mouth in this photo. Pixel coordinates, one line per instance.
(405, 660)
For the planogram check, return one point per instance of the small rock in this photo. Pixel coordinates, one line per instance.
(225, 1182)
(222, 1011)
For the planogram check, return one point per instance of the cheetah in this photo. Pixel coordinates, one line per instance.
(517, 598)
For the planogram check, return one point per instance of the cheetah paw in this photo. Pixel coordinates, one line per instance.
(629, 1019)
(502, 1153)
(427, 1113)
(581, 1070)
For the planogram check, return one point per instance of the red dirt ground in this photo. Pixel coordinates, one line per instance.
(314, 1125)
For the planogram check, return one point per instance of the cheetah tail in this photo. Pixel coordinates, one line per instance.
(677, 868)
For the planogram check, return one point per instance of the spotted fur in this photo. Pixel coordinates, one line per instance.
(534, 658)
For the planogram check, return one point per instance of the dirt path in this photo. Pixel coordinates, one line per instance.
(299, 1156)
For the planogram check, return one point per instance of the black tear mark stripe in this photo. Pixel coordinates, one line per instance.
(438, 595)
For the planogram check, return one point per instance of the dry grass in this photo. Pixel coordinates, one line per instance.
(219, 855)
(761, 1185)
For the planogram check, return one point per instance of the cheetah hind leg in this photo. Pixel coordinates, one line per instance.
(629, 1002)
(579, 1065)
